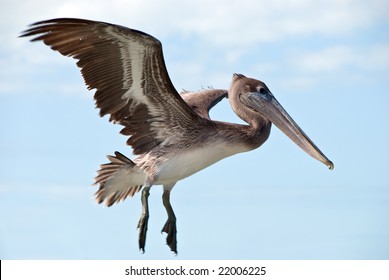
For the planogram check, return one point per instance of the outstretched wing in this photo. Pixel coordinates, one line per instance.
(127, 69)
(202, 101)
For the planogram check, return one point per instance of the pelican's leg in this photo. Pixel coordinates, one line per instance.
(170, 225)
(144, 218)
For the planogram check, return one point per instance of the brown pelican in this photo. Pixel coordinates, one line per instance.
(172, 139)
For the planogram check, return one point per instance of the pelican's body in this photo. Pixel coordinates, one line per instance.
(172, 135)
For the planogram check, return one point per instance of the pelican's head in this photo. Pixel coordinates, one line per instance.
(252, 99)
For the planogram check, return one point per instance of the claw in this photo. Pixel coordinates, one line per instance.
(170, 225)
(144, 219)
(171, 229)
(142, 226)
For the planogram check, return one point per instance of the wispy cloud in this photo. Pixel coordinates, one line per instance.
(234, 23)
(337, 57)
(45, 189)
(223, 33)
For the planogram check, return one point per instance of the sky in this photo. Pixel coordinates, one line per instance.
(327, 63)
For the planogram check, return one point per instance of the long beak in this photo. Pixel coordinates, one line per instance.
(268, 106)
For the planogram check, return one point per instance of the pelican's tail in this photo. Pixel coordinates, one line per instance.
(117, 179)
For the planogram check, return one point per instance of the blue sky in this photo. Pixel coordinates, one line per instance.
(327, 62)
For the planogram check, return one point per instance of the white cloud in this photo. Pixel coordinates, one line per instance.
(68, 191)
(329, 59)
(376, 57)
(234, 22)
(306, 69)
(339, 57)
(232, 29)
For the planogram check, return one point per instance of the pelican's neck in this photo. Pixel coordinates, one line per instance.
(251, 135)
(257, 132)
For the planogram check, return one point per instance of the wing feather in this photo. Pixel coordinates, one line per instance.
(127, 69)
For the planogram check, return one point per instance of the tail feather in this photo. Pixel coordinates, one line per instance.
(113, 182)
(107, 169)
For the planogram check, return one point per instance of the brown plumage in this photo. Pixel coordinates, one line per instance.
(127, 69)
(172, 135)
